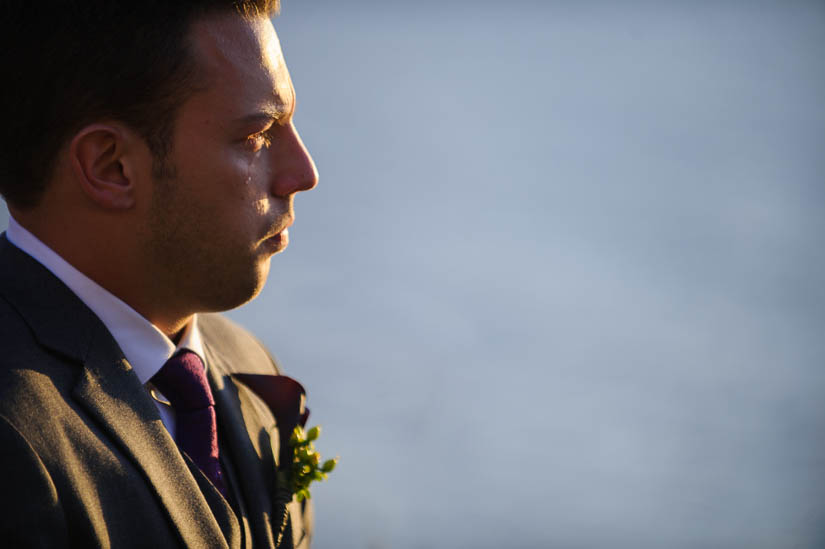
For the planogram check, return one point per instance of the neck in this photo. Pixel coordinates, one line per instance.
(98, 256)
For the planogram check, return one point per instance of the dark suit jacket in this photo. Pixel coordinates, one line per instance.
(84, 458)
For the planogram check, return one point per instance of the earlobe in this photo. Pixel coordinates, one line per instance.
(97, 153)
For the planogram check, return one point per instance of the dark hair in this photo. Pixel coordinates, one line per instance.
(68, 63)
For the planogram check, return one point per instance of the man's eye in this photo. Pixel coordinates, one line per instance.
(259, 141)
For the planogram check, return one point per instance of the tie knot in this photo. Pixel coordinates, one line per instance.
(183, 381)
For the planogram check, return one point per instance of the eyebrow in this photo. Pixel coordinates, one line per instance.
(268, 114)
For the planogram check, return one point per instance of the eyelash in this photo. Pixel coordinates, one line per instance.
(259, 140)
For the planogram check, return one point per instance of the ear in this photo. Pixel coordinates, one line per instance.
(101, 165)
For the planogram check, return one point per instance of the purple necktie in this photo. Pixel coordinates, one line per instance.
(183, 381)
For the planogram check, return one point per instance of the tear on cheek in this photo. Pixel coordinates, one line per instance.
(251, 165)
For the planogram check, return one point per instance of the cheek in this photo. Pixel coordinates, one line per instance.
(228, 177)
(230, 187)
(257, 180)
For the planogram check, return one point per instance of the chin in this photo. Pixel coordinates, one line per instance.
(238, 290)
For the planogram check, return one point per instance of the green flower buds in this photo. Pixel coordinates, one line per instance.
(298, 436)
(318, 475)
(305, 461)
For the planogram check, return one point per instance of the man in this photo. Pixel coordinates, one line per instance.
(150, 163)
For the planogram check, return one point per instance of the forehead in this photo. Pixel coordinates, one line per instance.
(241, 62)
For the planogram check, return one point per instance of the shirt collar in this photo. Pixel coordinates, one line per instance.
(144, 346)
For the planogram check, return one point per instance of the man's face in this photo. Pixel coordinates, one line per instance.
(237, 161)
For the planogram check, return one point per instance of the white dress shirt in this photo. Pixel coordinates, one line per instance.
(144, 346)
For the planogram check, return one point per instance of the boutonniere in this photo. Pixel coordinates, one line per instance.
(299, 462)
(306, 461)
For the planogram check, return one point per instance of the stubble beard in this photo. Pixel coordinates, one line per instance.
(196, 268)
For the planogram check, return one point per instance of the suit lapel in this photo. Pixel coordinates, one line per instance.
(221, 509)
(108, 389)
(113, 394)
(244, 423)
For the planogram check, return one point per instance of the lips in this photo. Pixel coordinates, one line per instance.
(280, 228)
(278, 238)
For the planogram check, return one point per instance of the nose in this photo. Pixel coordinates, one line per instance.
(293, 169)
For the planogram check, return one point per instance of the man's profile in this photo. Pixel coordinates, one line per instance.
(150, 163)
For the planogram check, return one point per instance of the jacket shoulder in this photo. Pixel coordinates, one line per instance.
(15, 334)
(32, 380)
(241, 351)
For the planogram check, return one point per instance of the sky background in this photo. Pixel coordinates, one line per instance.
(562, 281)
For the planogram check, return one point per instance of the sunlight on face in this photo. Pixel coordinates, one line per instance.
(273, 58)
(239, 163)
